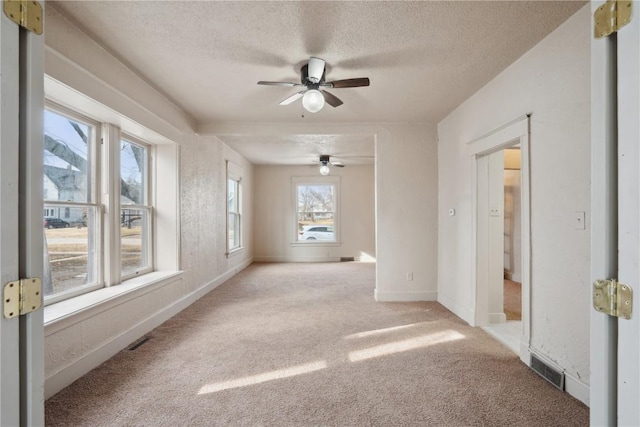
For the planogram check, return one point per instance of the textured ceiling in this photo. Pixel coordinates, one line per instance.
(423, 58)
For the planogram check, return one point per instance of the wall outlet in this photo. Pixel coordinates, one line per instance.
(410, 276)
(494, 212)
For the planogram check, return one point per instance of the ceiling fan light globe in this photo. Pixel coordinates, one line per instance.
(313, 101)
(324, 170)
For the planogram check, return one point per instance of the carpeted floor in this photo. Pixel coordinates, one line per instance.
(306, 345)
(512, 300)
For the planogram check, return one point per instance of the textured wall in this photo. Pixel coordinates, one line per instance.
(203, 210)
(552, 82)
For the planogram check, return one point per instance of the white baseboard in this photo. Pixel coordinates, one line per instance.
(576, 388)
(296, 259)
(463, 313)
(497, 318)
(405, 296)
(79, 367)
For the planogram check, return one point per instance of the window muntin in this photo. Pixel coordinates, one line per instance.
(316, 210)
(71, 216)
(135, 212)
(234, 208)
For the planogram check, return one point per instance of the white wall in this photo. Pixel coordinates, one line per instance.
(274, 216)
(552, 82)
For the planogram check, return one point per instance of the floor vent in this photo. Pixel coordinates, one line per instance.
(138, 343)
(550, 374)
(347, 259)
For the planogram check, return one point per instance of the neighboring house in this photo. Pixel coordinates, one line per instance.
(64, 184)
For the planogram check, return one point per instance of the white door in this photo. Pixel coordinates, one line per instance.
(21, 110)
(615, 206)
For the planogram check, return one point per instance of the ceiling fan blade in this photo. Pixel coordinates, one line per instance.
(331, 99)
(338, 165)
(287, 84)
(316, 69)
(363, 81)
(292, 98)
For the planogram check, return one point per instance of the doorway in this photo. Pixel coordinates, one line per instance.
(502, 234)
(505, 295)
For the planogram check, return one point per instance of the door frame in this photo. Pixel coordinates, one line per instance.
(513, 133)
(21, 253)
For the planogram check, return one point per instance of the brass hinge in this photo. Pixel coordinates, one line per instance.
(611, 16)
(613, 298)
(26, 13)
(22, 296)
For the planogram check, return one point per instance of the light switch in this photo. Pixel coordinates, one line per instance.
(579, 220)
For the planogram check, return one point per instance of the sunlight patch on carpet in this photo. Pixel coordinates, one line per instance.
(261, 378)
(405, 345)
(381, 331)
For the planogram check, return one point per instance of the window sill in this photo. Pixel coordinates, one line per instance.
(65, 313)
(235, 251)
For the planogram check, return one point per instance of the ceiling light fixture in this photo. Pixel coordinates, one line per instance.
(324, 169)
(313, 100)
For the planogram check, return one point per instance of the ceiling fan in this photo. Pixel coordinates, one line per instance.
(312, 80)
(325, 163)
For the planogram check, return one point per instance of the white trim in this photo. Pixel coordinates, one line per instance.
(66, 313)
(577, 388)
(382, 296)
(334, 181)
(464, 313)
(286, 258)
(497, 318)
(64, 376)
(513, 133)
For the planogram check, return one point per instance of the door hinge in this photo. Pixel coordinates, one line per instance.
(25, 13)
(611, 16)
(22, 296)
(613, 298)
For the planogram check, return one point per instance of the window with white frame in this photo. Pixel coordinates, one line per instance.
(97, 226)
(316, 201)
(234, 208)
(135, 209)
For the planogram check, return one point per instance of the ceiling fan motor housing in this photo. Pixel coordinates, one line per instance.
(324, 160)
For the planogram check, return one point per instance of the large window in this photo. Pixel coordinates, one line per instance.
(316, 204)
(234, 206)
(97, 227)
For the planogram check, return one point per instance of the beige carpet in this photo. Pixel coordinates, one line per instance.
(306, 345)
(512, 300)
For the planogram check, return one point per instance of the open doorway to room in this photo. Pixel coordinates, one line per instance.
(502, 235)
(505, 321)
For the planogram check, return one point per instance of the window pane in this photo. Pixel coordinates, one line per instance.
(234, 231)
(70, 250)
(67, 158)
(134, 243)
(232, 187)
(316, 212)
(133, 166)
